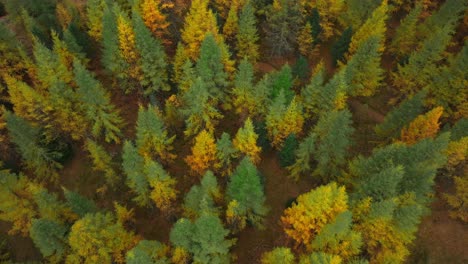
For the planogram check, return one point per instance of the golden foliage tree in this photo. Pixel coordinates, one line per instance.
(424, 126)
(102, 161)
(127, 46)
(246, 141)
(312, 211)
(203, 155)
(155, 19)
(305, 40)
(459, 200)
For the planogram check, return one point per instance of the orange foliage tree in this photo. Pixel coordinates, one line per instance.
(424, 126)
(203, 154)
(155, 19)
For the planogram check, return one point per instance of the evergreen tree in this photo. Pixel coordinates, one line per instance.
(30, 143)
(321, 258)
(303, 158)
(153, 59)
(203, 155)
(246, 141)
(278, 255)
(201, 198)
(148, 252)
(152, 138)
(282, 81)
(246, 189)
(132, 164)
(94, 17)
(49, 206)
(247, 36)
(357, 12)
(300, 69)
(310, 91)
(243, 92)
(99, 111)
(363, 71)
(341, 46)
(282, 24)
(225, 154)
(49, 238)
(205, 239)
(79, 204)
(329, 12)
(400, 116)
(210, 67)
(286, 154)
(98, 238)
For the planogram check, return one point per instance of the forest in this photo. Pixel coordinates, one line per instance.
(233, 131)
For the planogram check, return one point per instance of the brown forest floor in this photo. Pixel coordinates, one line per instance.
(440, 239)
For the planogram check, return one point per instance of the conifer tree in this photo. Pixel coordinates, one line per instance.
(283, 119)
(363, 71)
(49, 237)
(102, 161)
(405, 41)
(163, 192)
(332, 140)
(148, 251)
(303, 158)
(98, 238)
(305, 40)
(200, 109)
(79, 204)
(329, 12)
(225, 154)
(341, 46)
(14, 61)
(152, 139)
(94, 16)
(247, 36)
(127, 47)
(312, 211)
(201, 198)
(205, 239)
(246, 141)
(99, 111)
(282, 25)
(210, 67)
(246, 189)
(203, 155)
(310, 91)
(286, 154)
(49, 206)
(459, 200)
(424, 126)
(320, 258)
(155, 19)
(132, 164)
(278, 255)
(16, 202)
(180, 59)
(153, 59)
(400, 116)
(243, 92)
(231, 26)
(374, 26)
(36, 156)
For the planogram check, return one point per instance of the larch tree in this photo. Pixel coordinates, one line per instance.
(246, 141)
(247, 37)
(400, 116)
(102, 161)
(155, 19)
(308, 215)
(17, 205)
(458, 201)
(279, 255)
(152, 139)
(303, 157)
(405, 41)
(205, 239)
(284, 119)
(133, 164)
(424, 126)
(104, 118)
(203, 155)
(98, 238)
(363, 71)
(14, 61)
(226, 153)
(329, 12)
(163, 192)
(94, 16)
(309, 91)
(305, 41)
(79, 204)
(202, 198)
(321, 258)
(245, 189)
(49, 206)
(180, 59)
(199, 109)
(148, 251)
(210, 68)
(333, 139)
(152, 58)
(31, 146)
(231, 26)
(374, 26)
(243, 91)
(50, 238)
(282, 25)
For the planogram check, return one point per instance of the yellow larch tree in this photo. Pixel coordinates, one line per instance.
(231, 26)
(424, 126)
(312, 211)
(305, 40)
(203, 155)
(329, 11)
(284, 120)
(127, 46)
(246, 141)
(94, 14)
(155, 19)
